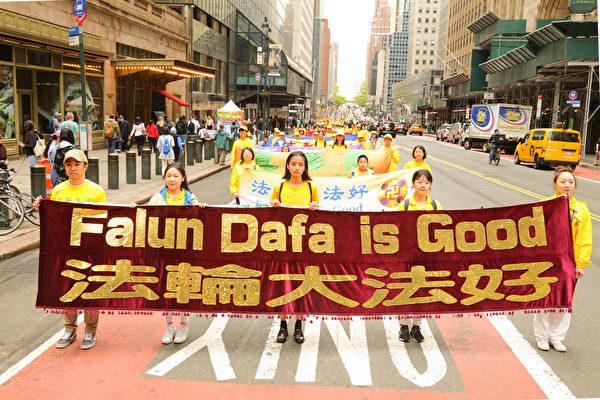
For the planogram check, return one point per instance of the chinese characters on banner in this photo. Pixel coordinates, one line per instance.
(296, 261)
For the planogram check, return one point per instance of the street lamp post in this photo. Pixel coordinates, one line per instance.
(423, 105)
(265, 26)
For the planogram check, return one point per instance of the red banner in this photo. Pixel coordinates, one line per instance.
(296, 261)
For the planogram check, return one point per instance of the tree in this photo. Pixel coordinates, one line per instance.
(338, 100)
(361, 98)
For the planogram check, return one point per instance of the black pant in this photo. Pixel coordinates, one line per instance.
(139, 140)
(152, 143)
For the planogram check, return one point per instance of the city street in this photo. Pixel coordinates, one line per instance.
(462, 358)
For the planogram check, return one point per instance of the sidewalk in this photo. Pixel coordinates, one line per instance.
(28, 237)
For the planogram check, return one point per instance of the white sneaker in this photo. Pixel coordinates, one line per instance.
(558, 346)
(169, 335)
(542, 345)
(181, 335)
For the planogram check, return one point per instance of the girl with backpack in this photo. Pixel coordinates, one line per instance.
(139, 133)
(166, 146)
(67, 140)
(420, 200)
(32, 147)
(295, 190)
(175, 193)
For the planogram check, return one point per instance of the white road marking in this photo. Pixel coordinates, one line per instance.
(307, 362)
(213, 341)
(29, 358)
(353, 351)
(539, 370)
(436, 364)
(267, 366)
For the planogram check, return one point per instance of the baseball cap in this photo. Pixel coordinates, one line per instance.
(388, 136)
(340, 133)
(76, 154)
(243, 128)
(281, 133)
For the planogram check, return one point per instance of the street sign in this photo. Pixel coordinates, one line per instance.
(582, 6)
(488, 95)
(576, 103)
(538, 111)
(74, 40)
(573, 95)
(76, 30)
(74, 35)
(258, 77)
(79, 11)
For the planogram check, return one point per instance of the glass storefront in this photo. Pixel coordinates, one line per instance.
(72, 97)
(48, 97)
(7, 103)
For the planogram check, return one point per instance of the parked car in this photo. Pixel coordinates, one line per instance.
(402, 128)
(390, 128)
(550, 146)
(416, 130)
(454, 132)
(442, 132)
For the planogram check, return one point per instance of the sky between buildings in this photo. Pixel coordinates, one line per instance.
(350, 25)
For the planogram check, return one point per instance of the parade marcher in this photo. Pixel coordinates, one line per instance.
(295, 190)
(245, 164)
(361, 143)
(239, 144)
(362, 169)
(166, 148)
(265, 141)
(319, 139)
(395, 156)
(373, 140)
(285, 148)
(77, 189)
(280, 141)
(112, 133)
(419, 155)
(550, 329)
(34, 145)
(152, 131)
(221, 144)
(420, 200)
(175, 193)
(125, 130)
(138, 131)
(70, 123)
(339, 142)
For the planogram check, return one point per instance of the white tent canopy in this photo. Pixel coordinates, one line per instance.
(230, 107)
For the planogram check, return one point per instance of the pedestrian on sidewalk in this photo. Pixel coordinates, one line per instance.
(550, 329)
(295, 190)
(597, 160)
(152, 131)
(77, 189)
(125, 128)
(166, 148)
(178, 148)
(420, 200)
(31, 147)
(138, 131)
(50, 154)
(70, 123)
(246, 164)
(175, 193)
(66, 144)
(221, 144)
(112, 133)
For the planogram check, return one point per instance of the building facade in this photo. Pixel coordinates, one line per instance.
(333, 69)
(423, 36)
(380, 28)
(321, 49)
(397, 56)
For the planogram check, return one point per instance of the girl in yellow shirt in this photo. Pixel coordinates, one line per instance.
(339, 142)
(363, 167)
(419, 154)
(550, 329)
(243, 142)
(175, 193)
(245, 164)
(295, 190)
(420, 200)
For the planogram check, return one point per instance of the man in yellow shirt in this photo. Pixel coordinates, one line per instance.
(395, 156)
(77, 190)
(240, 144)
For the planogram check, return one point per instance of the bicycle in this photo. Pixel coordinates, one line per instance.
(15, 206)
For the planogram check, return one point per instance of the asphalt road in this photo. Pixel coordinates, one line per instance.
(462, 357)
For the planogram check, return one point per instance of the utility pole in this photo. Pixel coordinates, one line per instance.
(586, 110)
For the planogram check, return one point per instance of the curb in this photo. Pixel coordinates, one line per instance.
(31, 240)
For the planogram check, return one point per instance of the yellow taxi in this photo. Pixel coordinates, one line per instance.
(416, 130)
(549, 146)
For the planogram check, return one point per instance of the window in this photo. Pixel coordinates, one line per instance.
(417, 61)
(5, 53)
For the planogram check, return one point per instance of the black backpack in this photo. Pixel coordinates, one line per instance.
(181, 127)
(59, 160)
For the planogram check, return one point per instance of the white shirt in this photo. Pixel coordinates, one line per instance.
(138, 130)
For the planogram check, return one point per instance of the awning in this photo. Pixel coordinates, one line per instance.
(483, 22)
(172, 97)
(456, 80)
(173, 69)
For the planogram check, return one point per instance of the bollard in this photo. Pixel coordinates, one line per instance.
(212, 148)
(146, 164)
(190, 151)
(38, 181)
(207, 149)
(181, 158)
(198, 150)
(93, 171)
(157, 164)
(130, 167)
(113, 171)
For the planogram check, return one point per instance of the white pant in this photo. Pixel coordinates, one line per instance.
(551, 326)
(169, 318)
(410, 321)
